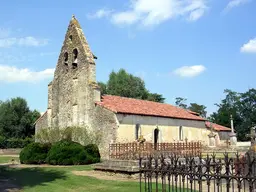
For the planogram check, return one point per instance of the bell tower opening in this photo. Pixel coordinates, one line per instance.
(75, 54)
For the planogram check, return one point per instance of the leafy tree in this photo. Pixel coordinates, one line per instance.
(103, 88)
(181, 102)
(155, 97)
(124, 84)
(242, 106)
(16, 119)
(200, 109)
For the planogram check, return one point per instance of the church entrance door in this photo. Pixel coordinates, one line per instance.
(156, 137)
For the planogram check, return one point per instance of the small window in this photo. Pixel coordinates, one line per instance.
(66, 58)
(70, 37)
(75, 54)
(66, 61)
(181, 133)
(137, 131)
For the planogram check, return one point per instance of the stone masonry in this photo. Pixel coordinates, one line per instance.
(73, 91)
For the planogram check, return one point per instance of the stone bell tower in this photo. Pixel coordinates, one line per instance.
(73, 91)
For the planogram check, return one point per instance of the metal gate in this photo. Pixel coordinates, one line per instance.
(179, 174)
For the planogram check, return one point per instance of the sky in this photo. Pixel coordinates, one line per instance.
(181, 48)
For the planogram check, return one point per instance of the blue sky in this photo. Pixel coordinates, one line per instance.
(191, 48)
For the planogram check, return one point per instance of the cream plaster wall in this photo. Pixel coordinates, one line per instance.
(169, 129)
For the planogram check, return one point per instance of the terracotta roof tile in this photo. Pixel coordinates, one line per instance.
(142, 107)
(217, 127)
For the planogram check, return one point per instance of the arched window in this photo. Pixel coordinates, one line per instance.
(66, 58)
(75, 54)
(181, 133)
(70, 37)
(137, 131)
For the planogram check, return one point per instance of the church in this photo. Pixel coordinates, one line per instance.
(74, 99)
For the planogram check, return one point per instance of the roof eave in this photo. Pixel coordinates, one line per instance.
(160, 116)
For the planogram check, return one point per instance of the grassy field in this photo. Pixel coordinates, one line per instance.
(8, 159)
(60, 179)
(63, 180)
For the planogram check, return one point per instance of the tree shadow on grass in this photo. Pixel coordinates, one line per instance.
(14, 179)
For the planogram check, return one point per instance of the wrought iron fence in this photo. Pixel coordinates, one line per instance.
(180, 174)
(135, 150)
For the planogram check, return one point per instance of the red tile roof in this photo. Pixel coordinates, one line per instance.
(217, 127)
(141, 107)
(194, 113)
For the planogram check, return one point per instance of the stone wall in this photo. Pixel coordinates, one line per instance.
(73, 91)
(42, 122)
(224, 135)
(105, 122)
(71, 94)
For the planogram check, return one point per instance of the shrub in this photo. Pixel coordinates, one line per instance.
(27, 141)
(66, 152)
(93, 154)
(34, 153)
(14, 142)
(3, 142)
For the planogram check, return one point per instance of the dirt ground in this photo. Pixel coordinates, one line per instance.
(107, 175)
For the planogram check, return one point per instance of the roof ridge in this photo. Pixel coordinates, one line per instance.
(149, 101)
(122, 104)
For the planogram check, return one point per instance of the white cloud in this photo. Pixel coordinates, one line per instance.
(100, 14)
(12, 74)
(235, 3)
(154, 12)
(25, 41)
(190, 71)
(249, 47)
(127, 17)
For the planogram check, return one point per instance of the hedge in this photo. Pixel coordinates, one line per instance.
(93, 154)
(34, 153)
(64, 152)
(67, 152)
(14, 142)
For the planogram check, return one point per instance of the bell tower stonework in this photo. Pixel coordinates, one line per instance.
(73, 92)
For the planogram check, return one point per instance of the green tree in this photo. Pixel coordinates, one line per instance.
(103, 88)
(181, 102)
(16, 119)
(242, 106)
(200, 109)
(126, 85)
(123, 84)
(155, 97)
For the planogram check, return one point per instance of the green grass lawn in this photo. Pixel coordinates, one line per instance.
(61, 179)
(8, 159)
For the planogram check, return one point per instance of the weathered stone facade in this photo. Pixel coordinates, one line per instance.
(73, 91)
